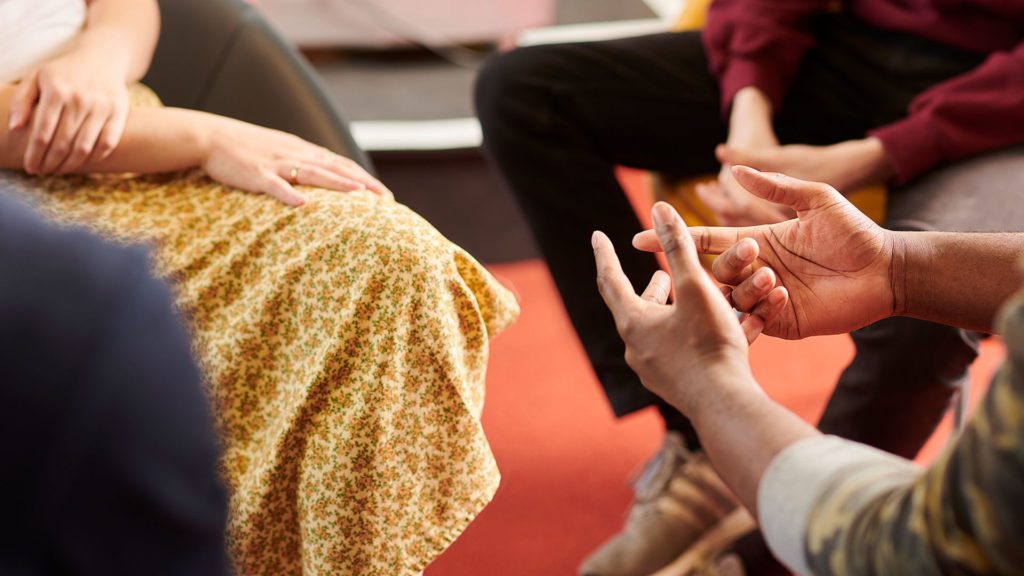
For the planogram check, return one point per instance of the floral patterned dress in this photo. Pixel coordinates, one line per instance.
(344, 344)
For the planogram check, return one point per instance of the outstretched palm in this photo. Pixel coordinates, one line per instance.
(834, 261)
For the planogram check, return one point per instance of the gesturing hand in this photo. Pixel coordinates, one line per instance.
(272, 162)
(680, 349)
(836, 263)
(77, 111)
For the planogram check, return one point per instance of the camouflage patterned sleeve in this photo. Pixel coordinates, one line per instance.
(829, 506)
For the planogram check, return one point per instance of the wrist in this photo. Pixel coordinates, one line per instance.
(867, 161)
(719, 391)
(201, 135)
(102, 53)
(751, 117)
(898, 263)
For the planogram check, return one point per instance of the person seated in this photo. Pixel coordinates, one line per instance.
(343, 340)
(854, 93)
(828, 505)
(109, 451)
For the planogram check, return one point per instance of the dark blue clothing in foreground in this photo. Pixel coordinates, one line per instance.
(108, 458)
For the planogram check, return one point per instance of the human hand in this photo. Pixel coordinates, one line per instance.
(271, 162)
(75, 111)
(842, 271)
(846, 166)
(750, 129)
(683, 349)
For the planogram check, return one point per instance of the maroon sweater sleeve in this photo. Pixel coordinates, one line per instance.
(758, 43)
(966, 115)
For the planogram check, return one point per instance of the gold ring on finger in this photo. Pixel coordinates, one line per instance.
(294, 174)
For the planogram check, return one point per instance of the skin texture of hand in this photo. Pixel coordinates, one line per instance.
(679, 350)
(74, 107)
(693, 353)
(847, 166)
(272, 162)
(842, 271)
(73, 112)
(750, 129)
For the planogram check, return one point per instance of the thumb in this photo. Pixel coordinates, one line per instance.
(799, 195)
(22, 101)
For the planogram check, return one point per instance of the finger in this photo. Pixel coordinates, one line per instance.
(714, 197)
(658, 290)
(760, 159)
(612, 282)
(277, 187)
(22, 101)
(748, 294)
(735, 264)
(111, 135)
(84, 144)
(708, 239)
(60, 146)
(348, 168)
(765, 313)
(781, 189)
(752, 327)
(44, 124)
(316, 176)
(677, 244)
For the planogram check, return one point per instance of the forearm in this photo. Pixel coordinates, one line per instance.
(960, 279)
(155, 140)
(751, 114)
(122, 34)
(742, 430)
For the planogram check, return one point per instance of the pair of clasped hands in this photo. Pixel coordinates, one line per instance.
(827, 271)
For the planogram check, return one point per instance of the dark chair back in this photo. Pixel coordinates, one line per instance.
(221, 56)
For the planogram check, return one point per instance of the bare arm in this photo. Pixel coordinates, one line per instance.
(143, 148)
(122, 34)
(232, 152)
(74, 106)
(960, 279)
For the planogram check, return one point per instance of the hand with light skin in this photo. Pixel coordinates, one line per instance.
(234, 153)
(832, 289)
(750, 129)
(75, 106)
(847, 166)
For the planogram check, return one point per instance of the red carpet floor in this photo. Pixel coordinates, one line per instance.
(566, 462)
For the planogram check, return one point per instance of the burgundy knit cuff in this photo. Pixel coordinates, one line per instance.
(740, 73)
(910, 145)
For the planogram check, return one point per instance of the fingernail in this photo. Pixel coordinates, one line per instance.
(762, 281)
(745, 250)
(593, 239)
(661, 214)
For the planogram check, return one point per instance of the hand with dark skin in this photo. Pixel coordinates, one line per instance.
(818, 281)
(843, 271)
(839, 270)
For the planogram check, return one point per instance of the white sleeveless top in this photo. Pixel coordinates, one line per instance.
(34, 31)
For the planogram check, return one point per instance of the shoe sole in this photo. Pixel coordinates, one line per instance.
(711, 545)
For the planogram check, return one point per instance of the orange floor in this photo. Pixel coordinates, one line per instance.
(566, 462)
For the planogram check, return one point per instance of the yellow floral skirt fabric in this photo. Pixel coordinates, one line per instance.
(344, 344)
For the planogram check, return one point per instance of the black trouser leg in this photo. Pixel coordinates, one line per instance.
(930, 362)
(556, 121)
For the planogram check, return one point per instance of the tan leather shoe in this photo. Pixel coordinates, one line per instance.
(679, 498)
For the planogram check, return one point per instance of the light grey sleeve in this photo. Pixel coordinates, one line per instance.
(809, 472)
